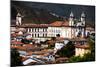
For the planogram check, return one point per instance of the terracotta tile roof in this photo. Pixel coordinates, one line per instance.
(82, 46)
(39, 52)
(66, 23)
(29, 46)
(59, 23)
(13, 34)
(34, 25)
(16, 42)
(55, 24)
(43, 52)
(61, 40)
(25, 47)
(61, 60)
(29, 53)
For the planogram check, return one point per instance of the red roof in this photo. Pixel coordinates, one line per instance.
(16, 42)
(54, 24)
(59, 23)
(66, 23)
(82, 46)
(26, 47)
(29, 46)
(14, 34)
(34, 25)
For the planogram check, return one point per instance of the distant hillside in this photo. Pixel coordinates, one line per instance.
(47, 13)
(35, 15)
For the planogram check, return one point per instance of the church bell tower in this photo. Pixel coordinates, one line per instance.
(18, 19)
(83, 18)
(83, 24)
(71, 19)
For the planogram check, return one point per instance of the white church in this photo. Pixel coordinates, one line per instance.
(67, 29)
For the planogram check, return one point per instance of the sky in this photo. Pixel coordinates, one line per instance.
(62, 9)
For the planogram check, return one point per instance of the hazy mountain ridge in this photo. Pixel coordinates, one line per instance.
(37, 14)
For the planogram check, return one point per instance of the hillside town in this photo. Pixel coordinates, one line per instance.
(51, 33)
(39, 44)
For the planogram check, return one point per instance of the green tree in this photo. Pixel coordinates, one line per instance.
(75, 59)
(15, 58)
(91, 43)
(67, 51)
(88, 56)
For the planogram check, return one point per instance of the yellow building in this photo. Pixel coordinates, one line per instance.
(80, 50)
